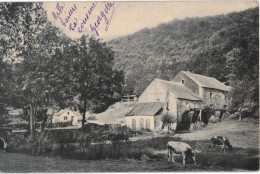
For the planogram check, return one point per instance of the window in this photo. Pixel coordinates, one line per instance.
(210, 95)
(141, 121)
(182, 81)
(158, 99)
(72, 118)
(68, 113)
(225, 96)
(65, 118)
(133, 124)
(148, 124)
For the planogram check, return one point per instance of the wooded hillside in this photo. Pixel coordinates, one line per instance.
(225, 47)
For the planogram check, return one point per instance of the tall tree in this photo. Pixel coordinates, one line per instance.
(43, 80)
(97, 83)
(3, 92)
(20, 24)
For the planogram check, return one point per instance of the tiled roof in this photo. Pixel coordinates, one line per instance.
(146, 109)
(179, 90)
(208, 82)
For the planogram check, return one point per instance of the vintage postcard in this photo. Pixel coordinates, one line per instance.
(129, 86)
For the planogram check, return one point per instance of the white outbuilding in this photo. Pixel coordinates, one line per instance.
(67, 115)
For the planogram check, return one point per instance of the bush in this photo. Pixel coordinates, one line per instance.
(167, 120)
(61, 124)
(92, 118)
(101, 143)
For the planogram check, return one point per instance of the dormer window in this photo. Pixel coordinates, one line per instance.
(182, 81)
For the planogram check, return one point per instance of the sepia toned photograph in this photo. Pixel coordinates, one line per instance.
(129, 86)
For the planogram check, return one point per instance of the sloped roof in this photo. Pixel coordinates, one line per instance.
(208, 82)
(146, 109)
(67, 110)
(179, 90)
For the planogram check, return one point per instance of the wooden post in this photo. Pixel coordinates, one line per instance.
(200, 114)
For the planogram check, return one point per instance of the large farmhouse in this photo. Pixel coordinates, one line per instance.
(212, 92)
(186, 92)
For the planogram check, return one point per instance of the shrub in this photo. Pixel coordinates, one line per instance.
(61, 124)
(167, 120)
(92, 118)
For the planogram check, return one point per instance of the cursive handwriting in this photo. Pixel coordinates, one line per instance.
(60, 9)
(110, 6)
(87, 15)
(68, 19)
(57, 15)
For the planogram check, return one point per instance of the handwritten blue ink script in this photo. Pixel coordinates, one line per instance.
(97, 15)
(59, 11)
(109, 8)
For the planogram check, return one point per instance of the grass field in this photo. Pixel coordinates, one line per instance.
(244, 136)
(11, 162)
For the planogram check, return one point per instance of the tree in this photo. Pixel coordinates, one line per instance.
(3, 92)
(95, 80)
(20, 24)
(202, 45)
(168, 119)
(44, 79)
(240, 96)
(232, 60)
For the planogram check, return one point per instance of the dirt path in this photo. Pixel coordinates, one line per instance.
(243, 134)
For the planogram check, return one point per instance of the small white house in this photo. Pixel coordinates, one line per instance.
(145, 116)
(67, 115)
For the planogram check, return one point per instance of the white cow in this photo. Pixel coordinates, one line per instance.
(180, 148)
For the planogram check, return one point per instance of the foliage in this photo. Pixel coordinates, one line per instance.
(92, 118)
(95, 81)
(168, 119)
(225, 47)
(3, 116)
(47, 69)
(96, 143)
(21, 23)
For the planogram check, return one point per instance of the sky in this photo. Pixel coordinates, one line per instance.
(108, 20)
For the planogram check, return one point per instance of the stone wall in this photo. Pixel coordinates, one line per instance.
(215, 99)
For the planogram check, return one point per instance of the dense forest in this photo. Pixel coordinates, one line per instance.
(225, 47)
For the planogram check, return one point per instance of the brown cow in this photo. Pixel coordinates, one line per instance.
(220, 141)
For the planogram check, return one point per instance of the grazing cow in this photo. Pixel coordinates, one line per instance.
(220, 141)
(180, 148)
